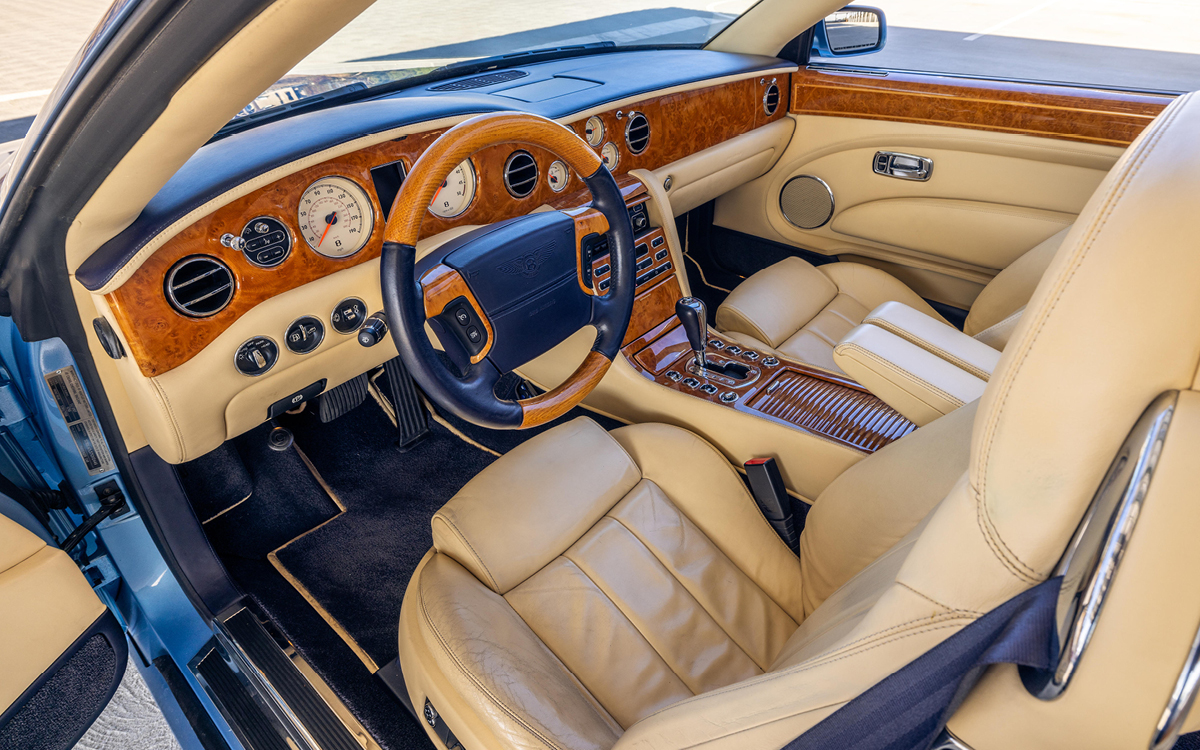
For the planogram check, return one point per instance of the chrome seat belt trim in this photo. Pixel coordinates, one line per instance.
(1179, 705)
(1091, 559)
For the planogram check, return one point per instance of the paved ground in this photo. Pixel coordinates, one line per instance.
(132, 720)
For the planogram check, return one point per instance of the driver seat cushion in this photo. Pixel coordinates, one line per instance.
(639, 549)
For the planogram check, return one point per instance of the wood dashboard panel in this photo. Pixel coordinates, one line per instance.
(1075, 114)
(161, 339)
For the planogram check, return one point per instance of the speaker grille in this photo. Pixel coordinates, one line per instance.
(807, 202)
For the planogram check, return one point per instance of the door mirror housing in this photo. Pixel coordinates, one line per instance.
(853, 30)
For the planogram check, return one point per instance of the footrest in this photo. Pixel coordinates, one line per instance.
(342, 399)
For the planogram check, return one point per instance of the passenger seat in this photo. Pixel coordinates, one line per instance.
(801, 311)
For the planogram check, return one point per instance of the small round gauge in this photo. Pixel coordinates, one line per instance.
(593, 131)
(610, 155)
(336, 217)
(456, 192)
(557, 175)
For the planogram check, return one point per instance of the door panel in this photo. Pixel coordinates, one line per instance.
(1012, 165)
(62, 653)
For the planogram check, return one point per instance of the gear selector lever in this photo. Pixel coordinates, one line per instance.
(693, 315)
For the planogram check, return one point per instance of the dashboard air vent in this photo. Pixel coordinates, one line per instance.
(771, 99)
(480, 81)
(520, 174)
(199, 286)
(637, 132)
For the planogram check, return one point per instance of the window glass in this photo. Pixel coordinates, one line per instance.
(1140, 44)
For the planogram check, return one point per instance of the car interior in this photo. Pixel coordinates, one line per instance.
(652, 398)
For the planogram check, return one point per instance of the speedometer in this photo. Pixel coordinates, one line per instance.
(336, 217)
(456, 192)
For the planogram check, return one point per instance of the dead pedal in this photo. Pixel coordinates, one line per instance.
(342, 399)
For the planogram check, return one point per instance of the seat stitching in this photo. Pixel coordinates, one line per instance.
(1115, 194)
(927, 597)
(462, 537)
(930, 347)
(759, 332)
(699, 604)
(809, 665)
(957, 402)
(478, 683)
(1015, 315)
(632, 624)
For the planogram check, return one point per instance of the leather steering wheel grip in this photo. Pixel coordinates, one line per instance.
(471, 397)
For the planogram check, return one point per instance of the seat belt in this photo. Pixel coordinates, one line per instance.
(908, 709)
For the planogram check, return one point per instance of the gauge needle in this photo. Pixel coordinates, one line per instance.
(439, 192)
(329, 221)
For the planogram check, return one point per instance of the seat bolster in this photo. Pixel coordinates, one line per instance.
(509, 522)
(490, 676)
(701, 483)
(1012, 288)
(774, 303)
(872, 287)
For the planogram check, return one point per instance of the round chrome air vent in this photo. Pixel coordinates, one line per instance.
(771, 99)
(637, 132)
(199, 286)
(520, 174)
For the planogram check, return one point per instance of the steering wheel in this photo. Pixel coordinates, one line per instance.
(505, 293)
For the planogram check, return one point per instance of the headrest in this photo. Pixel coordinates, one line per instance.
(1112, 324)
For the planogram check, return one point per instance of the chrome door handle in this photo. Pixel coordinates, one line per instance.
(903, 166)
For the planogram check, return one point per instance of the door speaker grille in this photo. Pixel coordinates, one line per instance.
(806, 202)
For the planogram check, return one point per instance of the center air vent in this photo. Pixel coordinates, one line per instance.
(520, 174)
(480, 81)
(199, 286)
(637, 132)
(771, 99)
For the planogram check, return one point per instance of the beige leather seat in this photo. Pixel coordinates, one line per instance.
(801, 311)
(593, 590)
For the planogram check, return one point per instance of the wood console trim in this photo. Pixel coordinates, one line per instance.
(1088, 115)
(588, 221)
(440, 286)
(160, 339)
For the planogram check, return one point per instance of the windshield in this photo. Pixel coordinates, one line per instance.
(397, 39)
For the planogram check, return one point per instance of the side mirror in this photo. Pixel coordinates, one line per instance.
(853, 30)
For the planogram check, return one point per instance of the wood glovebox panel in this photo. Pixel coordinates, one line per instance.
(1111, 118)
(161, 339)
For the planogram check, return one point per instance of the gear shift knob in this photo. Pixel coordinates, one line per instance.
(694, 317)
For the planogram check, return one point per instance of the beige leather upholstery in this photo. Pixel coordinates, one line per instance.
(912, 380)
(935, 337)
(522, 667)
(46, 604)
(801, 311)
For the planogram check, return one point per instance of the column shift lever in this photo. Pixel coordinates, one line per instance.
(693, 315)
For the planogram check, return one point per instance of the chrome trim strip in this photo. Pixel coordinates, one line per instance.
(947, 741)
(1091, 560)
(1179, 705)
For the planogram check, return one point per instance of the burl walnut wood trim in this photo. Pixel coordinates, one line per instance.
(441, 285)
(552, 405)
(1076, 114)
(161, 339)
(587, 221)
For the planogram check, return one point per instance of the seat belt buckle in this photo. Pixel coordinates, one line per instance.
(766, 485)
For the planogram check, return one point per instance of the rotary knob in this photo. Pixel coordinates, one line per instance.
(373, 330)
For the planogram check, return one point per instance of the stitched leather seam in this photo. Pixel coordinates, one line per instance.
(164, 403)
(947, 607)
(463, 538)
(665, 563)
(744, 319)
(1015, 316)
(930, 347)
(510, 712)
(632, 624)
(1116, 192)
(903, 373)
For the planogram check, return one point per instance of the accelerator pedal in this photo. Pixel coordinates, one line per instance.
(411, 420)
(342, 399)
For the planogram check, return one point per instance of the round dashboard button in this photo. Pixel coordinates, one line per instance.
(348, 315)
(256, 356)
(304, 335)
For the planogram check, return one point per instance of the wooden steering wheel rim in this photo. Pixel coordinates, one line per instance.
(430, 171)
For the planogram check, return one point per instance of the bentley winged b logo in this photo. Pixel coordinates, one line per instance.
(529, 264)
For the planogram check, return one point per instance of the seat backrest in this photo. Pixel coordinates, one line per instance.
(1010, 290)
(1111, 325)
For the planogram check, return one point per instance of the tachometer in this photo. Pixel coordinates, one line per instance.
(336, 217)
(456, 192)
(593, 131)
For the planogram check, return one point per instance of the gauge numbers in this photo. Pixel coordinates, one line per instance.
(610, 155)
(335, 216)
(593, 131)
(557, 175)
(456, 192)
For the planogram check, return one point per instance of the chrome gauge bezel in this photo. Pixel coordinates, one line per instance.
(291, 239)
(595, 139)
(362, 197)
(470, 200)
(616, 154)
(566, 175)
